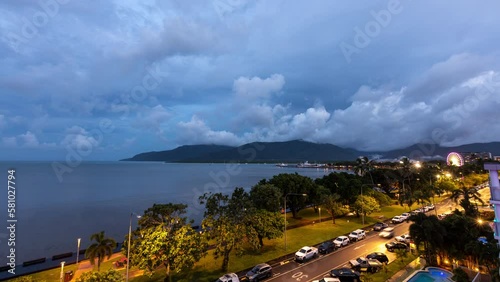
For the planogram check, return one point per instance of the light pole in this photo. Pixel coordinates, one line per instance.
(319, 214)
(129, 236)
(77, 251)
(61, 276)
(290, 194)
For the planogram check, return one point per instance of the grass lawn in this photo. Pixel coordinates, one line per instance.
(53, 274)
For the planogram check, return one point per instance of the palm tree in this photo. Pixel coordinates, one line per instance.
(100, 249)
(364, 165)
(427, 230)
(466, 194)
(406, 173)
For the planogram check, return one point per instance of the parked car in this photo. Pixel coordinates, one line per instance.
(378, 256)
(341, 241)
(326, 247)
(356, 235)
(395, 245)
(259, 272)
(405, 238)
(405, 215)
(366, 264)
(380, 225)
(327, 279)
(397, 219)
(387, 232)
(306, 253)
(345, 274)
(230, 277)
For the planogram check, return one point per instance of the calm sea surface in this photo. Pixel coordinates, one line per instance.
(52, 211)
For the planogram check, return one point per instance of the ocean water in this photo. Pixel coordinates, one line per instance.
(53, 209)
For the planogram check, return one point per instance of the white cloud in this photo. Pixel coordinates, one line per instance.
(196, 131)
(256, 87)
(78, 137)
(25, 140)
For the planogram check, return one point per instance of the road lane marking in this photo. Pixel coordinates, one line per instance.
(360, 247)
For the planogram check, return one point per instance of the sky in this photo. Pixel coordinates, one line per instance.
(105, 80)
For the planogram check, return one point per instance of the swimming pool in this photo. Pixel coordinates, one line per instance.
(430, 274)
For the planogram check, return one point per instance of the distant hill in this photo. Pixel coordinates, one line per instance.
(179, 153)
(299, 151)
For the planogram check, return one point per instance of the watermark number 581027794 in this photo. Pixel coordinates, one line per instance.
(11, 220)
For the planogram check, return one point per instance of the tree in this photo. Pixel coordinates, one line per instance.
(263, 224)
(293, 183)
(463, 196)
(344, 184)
(333, 206)
(165, 237)
(363, 166)
(366, 204)
(429, 232)
(224, 222)
(266, 197)
(100, 249)
(108, 276)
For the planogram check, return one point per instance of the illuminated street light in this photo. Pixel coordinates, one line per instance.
(77, 251)
(61, 276)
(290, 194)
(129, 236)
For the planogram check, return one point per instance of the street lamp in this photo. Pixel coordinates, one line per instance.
(61, 276)
(319, 209)
(290, 194)
(129, 236)
(77, 251)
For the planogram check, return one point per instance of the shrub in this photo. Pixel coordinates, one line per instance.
(94, 276)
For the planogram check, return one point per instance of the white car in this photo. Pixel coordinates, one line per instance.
(357, 235)
(230, 277)
(387, 232)
(406, 238)
(405, 215)
(398, 219)
(327, 279)
(306, 253)
(341, 241)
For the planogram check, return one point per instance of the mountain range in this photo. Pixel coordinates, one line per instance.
(297, 151)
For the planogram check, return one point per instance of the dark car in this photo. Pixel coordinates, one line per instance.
(345, 274)
(396, 245)
(378, 256)
(380, 225)
(259, 272)
(326, 247)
